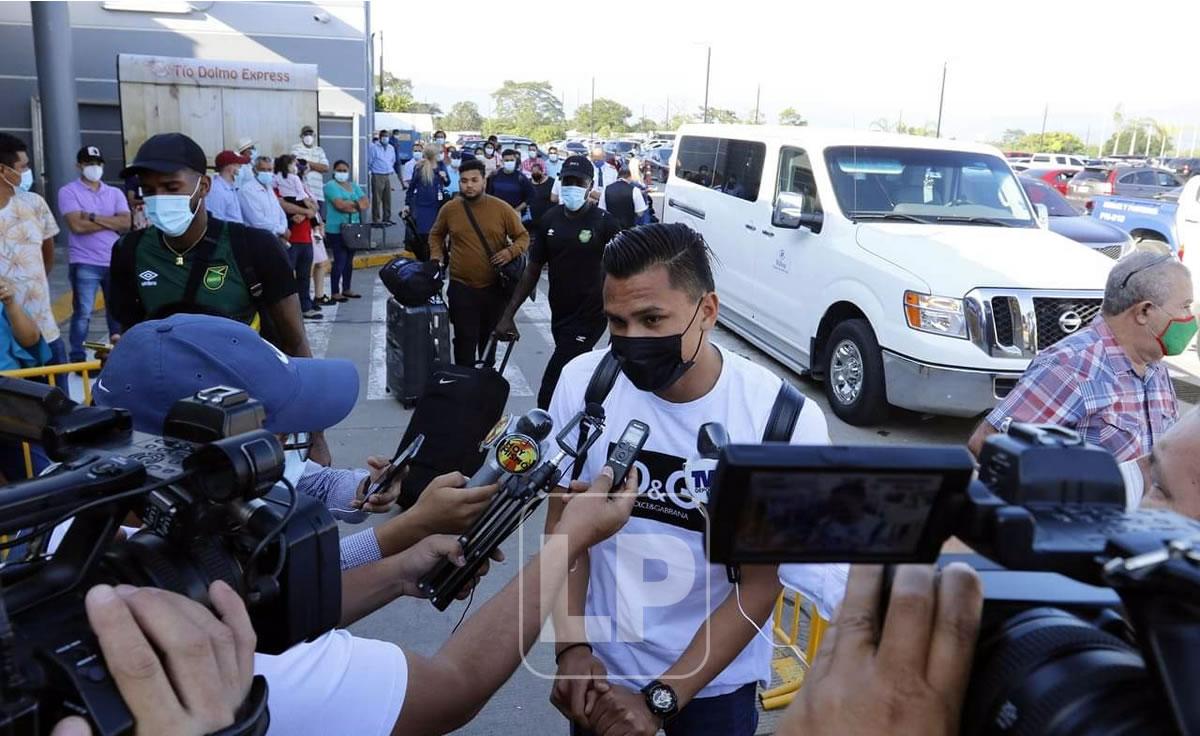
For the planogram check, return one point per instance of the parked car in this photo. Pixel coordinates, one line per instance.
(1121, 181)
(1187, 224)
(659, 161)
(574, 148)
(1057, 178)
(1063, 218)
(1186, 168)
(1150, 222)
(624, 149)
(1055, 160)
(900, 270)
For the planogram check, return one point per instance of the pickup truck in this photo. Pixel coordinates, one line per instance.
(1148, 221)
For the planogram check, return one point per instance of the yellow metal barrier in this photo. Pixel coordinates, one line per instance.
(51, 374)
(781, 696)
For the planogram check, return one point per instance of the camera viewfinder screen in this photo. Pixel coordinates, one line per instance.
(829, 514)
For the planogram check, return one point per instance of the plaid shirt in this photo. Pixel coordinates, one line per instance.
(1086, 383)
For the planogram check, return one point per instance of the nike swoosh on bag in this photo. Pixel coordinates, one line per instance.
(443, 382)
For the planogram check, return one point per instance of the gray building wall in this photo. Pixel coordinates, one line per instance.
(332, 35)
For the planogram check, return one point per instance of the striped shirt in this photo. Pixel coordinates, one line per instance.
(1085, 382)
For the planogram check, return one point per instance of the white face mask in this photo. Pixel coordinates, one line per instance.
(341, 175)
(93, 172)
(489, 150)
(510, 166)
(307, 140)
(454, 162)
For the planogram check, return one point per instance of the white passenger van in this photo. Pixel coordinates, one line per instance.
(900, 270)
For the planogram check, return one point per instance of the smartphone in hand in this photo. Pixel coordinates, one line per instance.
(395, 467)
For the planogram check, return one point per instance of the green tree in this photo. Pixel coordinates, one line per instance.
(1055, 141)
(883, 125)
(789, 116)
(605, 116)
(645, 125)
(397, 94)
(523, 107)
(463, 115)
(681, 118)
(1010, 138)
(1137, 136)
(720, 115)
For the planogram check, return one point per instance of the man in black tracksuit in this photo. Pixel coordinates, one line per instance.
(570, 237)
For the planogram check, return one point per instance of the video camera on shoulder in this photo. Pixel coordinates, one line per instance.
(206, 494)
(1092, 613)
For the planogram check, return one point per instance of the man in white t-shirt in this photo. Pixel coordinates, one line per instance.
(666, 642)
(316, 164)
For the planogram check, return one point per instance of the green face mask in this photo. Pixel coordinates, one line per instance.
(1177, 334)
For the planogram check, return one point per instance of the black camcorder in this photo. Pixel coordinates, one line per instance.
(1092, 613)
(207, 497)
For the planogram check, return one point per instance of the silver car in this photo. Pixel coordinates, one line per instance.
(1139, 182)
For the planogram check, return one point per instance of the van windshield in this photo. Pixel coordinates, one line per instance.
(926, 185)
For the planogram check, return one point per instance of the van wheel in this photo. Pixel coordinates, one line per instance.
(854, 374)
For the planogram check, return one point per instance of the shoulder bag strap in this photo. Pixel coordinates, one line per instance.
(597, 391)
(475, 224)
(789, 402)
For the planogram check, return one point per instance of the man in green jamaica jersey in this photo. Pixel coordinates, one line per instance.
(189, 261)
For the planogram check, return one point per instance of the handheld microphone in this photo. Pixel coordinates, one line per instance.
(515, 449)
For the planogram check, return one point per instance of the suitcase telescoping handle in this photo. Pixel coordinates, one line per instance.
(491, 350)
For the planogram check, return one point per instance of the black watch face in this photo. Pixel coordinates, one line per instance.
(662, 699)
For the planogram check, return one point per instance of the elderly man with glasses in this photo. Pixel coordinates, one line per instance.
(1107, 381)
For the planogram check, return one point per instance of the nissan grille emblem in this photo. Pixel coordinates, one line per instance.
(1069, 322)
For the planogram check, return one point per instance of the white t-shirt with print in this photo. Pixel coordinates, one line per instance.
(639, 638)
(337, 683)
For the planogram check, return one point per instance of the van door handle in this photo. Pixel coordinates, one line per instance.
(750, 227)
(684, 207)
(768, 233)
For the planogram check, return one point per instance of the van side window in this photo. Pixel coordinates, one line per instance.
(728, 165)
(738, 169)
(796, 177)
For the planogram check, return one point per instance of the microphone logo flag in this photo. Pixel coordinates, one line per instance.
(517, 454)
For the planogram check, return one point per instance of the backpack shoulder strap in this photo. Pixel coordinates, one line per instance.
(789, 402)
(597, 391)
(245, 264)
(603, 379)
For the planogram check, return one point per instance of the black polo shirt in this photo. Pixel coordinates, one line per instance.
(573, 246)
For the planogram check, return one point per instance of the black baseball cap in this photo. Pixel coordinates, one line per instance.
(89, 153)
(167, 153)
(307, 129)
(579, 166)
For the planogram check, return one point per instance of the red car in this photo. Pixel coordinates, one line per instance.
(1057, 178)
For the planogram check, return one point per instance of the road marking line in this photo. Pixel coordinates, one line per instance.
(377, 369)
(320, 332)
(517, 385)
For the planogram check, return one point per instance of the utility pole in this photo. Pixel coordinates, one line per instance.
(667, 117)
(52, 51)
(1133, 140)
(941, 101)
(707, 72)
(1087, 139)
(757, 99)
(1192, 148)
(381, 62)
(592, 111)
(1162, 149)
(1042, 137)
(1149, 139)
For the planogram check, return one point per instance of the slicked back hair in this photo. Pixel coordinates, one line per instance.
(676, 246)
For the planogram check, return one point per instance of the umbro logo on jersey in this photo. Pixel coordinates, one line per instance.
(149, 278)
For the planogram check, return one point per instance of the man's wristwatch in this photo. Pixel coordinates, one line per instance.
(91, 217)
(661, 699)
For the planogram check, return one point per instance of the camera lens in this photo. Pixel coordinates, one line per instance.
(1047, 672)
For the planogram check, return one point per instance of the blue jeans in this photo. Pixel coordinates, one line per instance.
(343, 263)
(58, 352)
(732, 714)
(86, 279)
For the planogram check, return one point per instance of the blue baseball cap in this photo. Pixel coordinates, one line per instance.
(156, 363)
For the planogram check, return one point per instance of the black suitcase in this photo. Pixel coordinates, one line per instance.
(459, 407)
(418, 338)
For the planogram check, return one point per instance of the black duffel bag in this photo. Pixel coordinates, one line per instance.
(411, 282)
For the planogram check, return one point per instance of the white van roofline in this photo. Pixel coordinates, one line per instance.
(824, 137)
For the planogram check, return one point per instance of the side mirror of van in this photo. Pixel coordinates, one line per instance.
(789, 213)
(1043, 215)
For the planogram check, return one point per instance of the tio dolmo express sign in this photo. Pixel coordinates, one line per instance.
(138, 68)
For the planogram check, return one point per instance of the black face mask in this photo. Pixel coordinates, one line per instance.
(654, 363)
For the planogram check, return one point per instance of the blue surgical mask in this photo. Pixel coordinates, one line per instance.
(455, 162)
(440, 141)
(510, 167)
(341, 176)
(573, 198)
(26, 180)
(171, 213)
(554, 157)
(266, 177)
